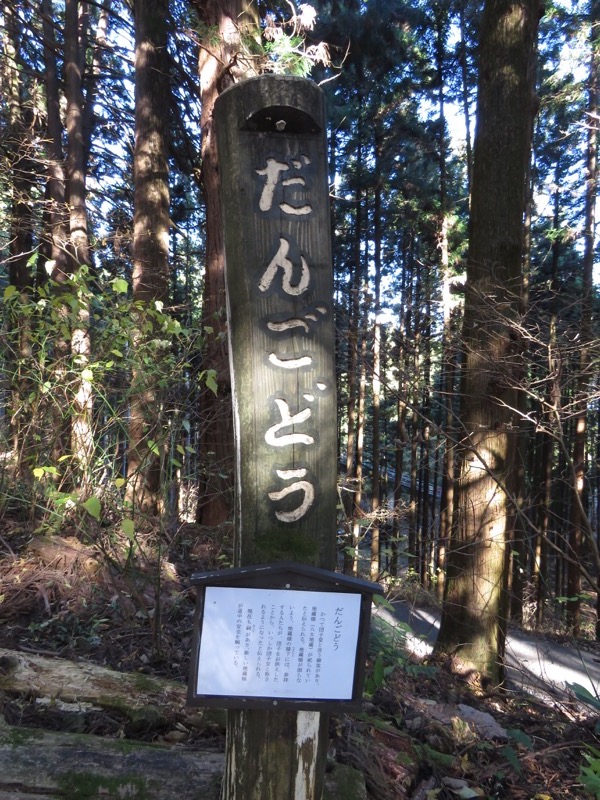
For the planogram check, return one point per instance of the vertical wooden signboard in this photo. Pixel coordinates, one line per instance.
(273, 168)
(272, 163)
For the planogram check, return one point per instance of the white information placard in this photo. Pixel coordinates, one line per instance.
(282, 643)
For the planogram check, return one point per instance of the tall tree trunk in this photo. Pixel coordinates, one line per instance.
(92, 78)
(54, 246)
(223, 60)
(357, 513)
(150, 243)
(447, 484)
(415, 540)
(414, 543)
(473, 616)
(579, 527)
(543, 479)
(376, 380)
(76, 20)
(21, 238)
(521, 539)
(402, 438)
(19, 130)
(352, 496)
(448, 368)
(78, 240)
(427, 500)
(398, 518)
(465, 93)
(411, 349)
(542, 503)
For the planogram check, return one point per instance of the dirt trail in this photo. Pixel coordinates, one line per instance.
(535, 663)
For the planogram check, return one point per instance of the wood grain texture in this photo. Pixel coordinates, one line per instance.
(280, 304)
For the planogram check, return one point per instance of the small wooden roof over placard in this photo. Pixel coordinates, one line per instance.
(283, 575)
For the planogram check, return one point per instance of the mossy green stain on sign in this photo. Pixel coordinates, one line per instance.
(277, 545)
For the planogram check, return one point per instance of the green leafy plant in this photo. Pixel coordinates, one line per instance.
(583, 694)
(48, 377)
(285, 43)
(509, 752)
(590, 775)
(388, 650)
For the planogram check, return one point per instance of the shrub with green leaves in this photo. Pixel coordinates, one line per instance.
(129, 346)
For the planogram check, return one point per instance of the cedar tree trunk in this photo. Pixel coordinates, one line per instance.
(473, 618)
(150, 242)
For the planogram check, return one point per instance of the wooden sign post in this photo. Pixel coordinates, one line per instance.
(273, 169)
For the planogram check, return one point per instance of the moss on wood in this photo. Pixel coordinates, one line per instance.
(88, 786)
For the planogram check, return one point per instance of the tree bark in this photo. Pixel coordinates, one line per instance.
(357, 532)
(579, 524)
(150, 243)
(84, 682)
(351, 497)
(21, 237)
(56, 248)
(474, 610)
(465, 92)
(375, 567)
(448, 360)
(81, 412)
(220, 65)
(545, 461)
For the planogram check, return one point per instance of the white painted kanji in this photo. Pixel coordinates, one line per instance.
(288, 420)
(298, 486)
(290, 363)
(281, 261)
(273, 174)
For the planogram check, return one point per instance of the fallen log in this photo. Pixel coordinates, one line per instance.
(36, 764)
(83, 681)
(49, 765)
(147, 702)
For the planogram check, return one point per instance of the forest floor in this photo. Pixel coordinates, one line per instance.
(425, 733)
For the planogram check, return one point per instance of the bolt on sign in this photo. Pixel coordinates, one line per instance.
(273, 169)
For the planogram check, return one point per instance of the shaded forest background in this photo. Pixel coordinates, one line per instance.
(115, 419)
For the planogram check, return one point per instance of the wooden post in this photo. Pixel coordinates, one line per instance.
(272, 162)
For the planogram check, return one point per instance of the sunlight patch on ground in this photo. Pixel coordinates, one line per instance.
(534, 663)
